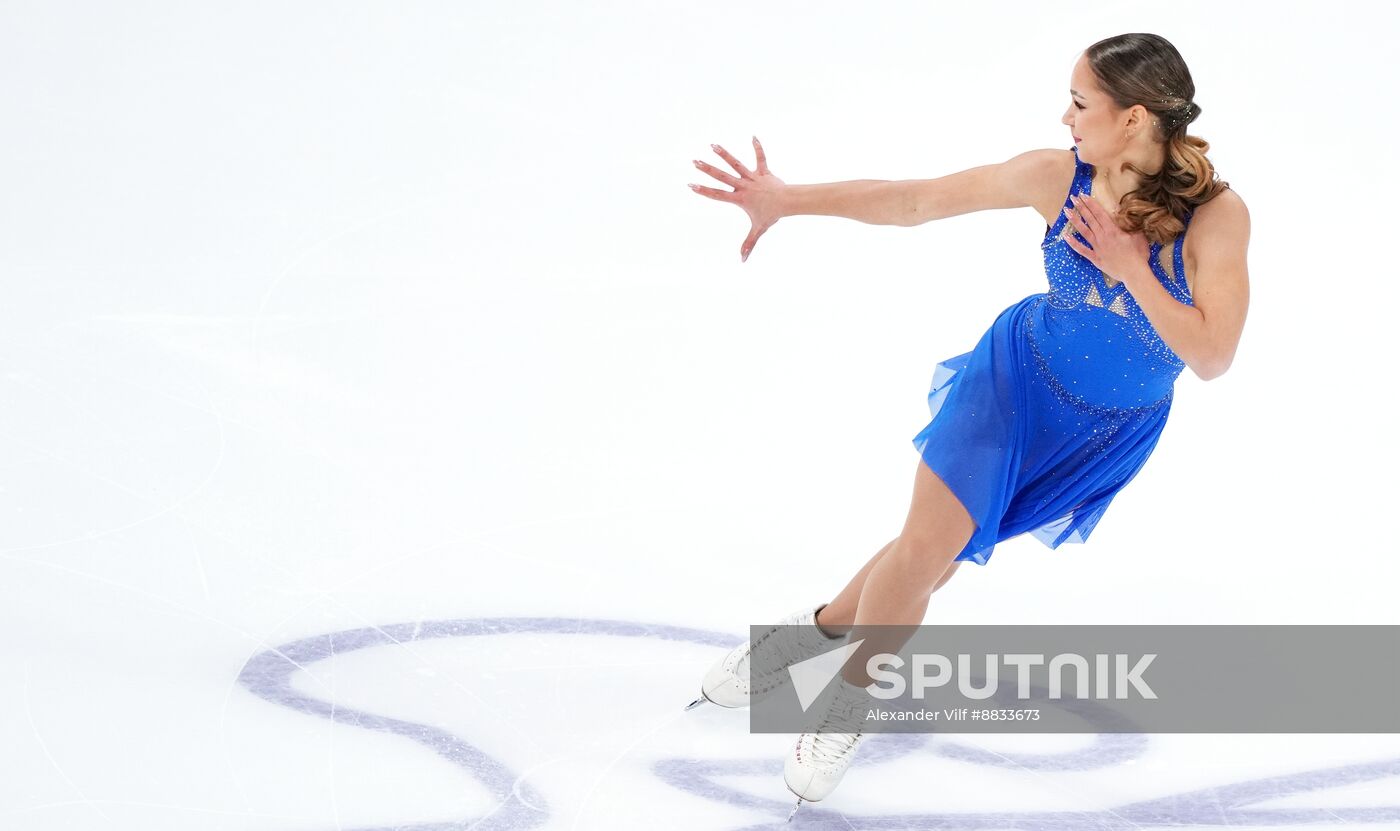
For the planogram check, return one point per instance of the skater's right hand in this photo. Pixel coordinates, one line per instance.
(759, 193)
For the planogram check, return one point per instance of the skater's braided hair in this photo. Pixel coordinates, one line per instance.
(1146, 69)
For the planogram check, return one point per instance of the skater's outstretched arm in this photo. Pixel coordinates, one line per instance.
(1021, 181)
(1030, 178)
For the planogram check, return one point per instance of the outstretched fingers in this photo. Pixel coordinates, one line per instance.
(733, 162)
(714, 193)
(762, 159)
(746, 247)
(717, 173)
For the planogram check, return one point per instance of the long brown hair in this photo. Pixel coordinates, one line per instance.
(1142, 68)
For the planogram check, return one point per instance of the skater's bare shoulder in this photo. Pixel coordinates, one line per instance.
(1035, 178)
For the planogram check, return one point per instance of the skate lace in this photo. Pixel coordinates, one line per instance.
(779, 653)
(846, 721)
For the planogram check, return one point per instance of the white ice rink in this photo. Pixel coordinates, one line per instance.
(389, 438)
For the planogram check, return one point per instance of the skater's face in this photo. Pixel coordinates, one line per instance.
(1088, 116)
(1097, 125)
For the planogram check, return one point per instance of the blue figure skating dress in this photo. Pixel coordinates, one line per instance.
(1059, 404)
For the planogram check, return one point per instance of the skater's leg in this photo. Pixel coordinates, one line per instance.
(838, 615)
(896, 592)
(952, 568)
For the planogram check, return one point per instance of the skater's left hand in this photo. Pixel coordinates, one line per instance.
(1118, 254)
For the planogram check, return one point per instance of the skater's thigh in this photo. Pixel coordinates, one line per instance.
(936, 517)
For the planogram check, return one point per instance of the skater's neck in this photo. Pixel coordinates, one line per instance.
(1112, 180)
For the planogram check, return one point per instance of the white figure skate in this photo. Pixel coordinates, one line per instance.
(819, 760)
(728, 683)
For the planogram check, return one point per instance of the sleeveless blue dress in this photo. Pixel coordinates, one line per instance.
(1059, 404)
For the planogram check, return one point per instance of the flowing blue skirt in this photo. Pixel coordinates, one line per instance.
(1020, 453)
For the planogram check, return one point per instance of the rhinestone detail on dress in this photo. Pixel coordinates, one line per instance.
(1061, 392)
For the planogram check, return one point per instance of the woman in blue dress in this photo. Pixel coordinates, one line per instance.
(1061, 402)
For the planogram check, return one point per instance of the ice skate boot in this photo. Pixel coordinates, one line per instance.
(818, 760)
(731, 681)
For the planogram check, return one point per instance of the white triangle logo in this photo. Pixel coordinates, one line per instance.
(811, 676)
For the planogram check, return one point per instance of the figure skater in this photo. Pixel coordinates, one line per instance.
(1061, 402)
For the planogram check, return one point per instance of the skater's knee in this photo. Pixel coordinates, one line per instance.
(947, 575)
(934, 533)
(926, 560)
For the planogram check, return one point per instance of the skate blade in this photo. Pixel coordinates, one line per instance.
(794, 809)
(696, 703)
